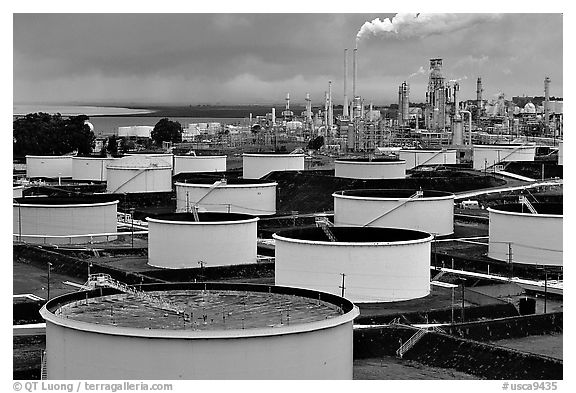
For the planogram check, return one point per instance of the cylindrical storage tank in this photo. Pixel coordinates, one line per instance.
(135, 131)
(176, 241)
(432, 211)
(357, 168)
(486, 156)
(534, 239)
(256, 197)
(49, 166)
(55, 218)
(193, 164)
(373, 264)
(227, 332)
(138, 174)
(91, 168)
(257, 165)
(561, 153)
(417, 157)
(157, 158)
(18, 190)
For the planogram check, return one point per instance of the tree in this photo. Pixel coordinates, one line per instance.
(166, 131)
(112, 145)
(45, 134)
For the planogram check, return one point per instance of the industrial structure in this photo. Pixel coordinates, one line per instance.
(364, 265)
(135, 131)
(526, 233)
(193, 164)
(428, 211)
(365, 168)
(258, 165)
(139, 174)
(197, 331)
(191, 240)
(64, 220)
(48, 166)
(248, 196)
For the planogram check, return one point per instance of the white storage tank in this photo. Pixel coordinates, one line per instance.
(48, 166)
(417, 157)
(376, 264)
(226, 332)
(426, 210)
(561, 153)
(378, 168)
(49, 220)
(91, 168)
(257, 165)
(534, 239)
(250, 196)
(486, 156)
(135, 174)
(157, 158)
(194, 164)
(177, 241)
(135, 131)
(17, 191)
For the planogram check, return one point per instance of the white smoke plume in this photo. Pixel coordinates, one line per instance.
(459, 79)
(420, 71)
(408, 25)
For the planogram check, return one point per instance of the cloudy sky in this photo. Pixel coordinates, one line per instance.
(258, 58)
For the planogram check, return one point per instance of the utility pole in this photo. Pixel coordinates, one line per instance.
(462, 283)
(342, 286)
(132, 219)
(202, 263)
(510, 271)
(452, 306)
(545, 289)
(48, 297)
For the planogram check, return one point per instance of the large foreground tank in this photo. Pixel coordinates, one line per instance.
(17, 191)
(64, 220)
(194, 164)
(534, 239)
(428, 211)
(228, 331)
(373, 264)
(91, 168)
(250, 196)
(357, 168)
(177, 241)
(48, 166)
(257, 165)
(135, 174)
(486, 156)
(417, 157)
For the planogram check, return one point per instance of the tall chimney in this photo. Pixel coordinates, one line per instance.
(479, 91)
(546, 102)
(330, 107)
(345, 105)
(273, 116)
(308, 108)
(354, 71)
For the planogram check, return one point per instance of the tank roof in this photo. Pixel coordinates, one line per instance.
(354, 235)
(233, 181)
(212, 306)
(203, 217)
(272, 153)
(541, 208)
(392, 193)
(380, 159)
(61, 201)
(137, 162)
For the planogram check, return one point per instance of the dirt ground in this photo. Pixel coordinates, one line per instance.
(391, 368)
(548, 345)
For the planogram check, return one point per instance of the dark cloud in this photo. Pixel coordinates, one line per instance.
(259, 57)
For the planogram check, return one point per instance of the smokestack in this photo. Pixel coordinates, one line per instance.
(326, 108)
(405, 103)
(354, 72)
(287, 101)
(546, 102)
(455, 93)
(273, 116)
(330, 107)
(479, 91)
(345, 105)
(308, 108)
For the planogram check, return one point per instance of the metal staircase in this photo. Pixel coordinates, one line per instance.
(197, 203)
(523, 200)
(325, 224)
(104, 280)
(416, 195)
(410, 343)
(43, 368)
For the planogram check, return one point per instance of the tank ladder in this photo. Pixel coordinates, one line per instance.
(197, 203)
(104, 280)
(140, 171)
(405, 347)
(325, 224)
(417, 194)
(523, 200)
(432, 157)
(43, 368)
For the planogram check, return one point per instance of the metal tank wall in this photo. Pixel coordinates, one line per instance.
(192, 164)
(182, 244)
(134, 180)
(135, 131)
(17, 191)
(256, 199)
(64, 220)
(417, 157)
(49, 166)
(489, 155)
(255, 166)
(370, 169)
(160, 159)
(432, 214)
(91, 168)
(536, 239)
(374, 272)
(561, 153)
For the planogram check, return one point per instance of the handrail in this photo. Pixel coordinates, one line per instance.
(417, 195)
(405, 347)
